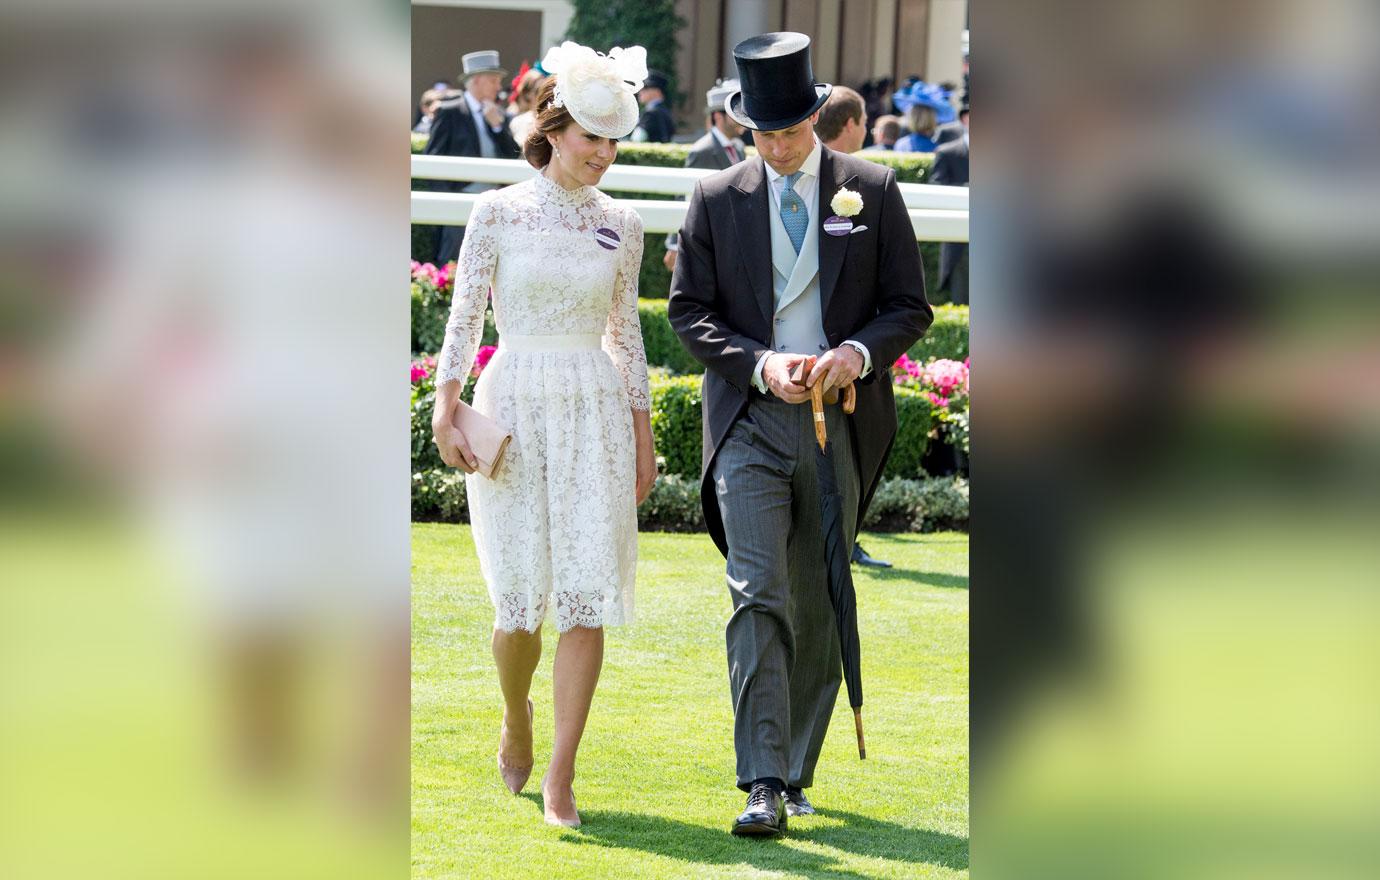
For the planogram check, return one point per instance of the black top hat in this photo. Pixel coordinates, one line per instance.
(779, 87)
(656, 80)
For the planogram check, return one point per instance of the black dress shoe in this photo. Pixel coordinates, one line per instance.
(796, 803)
(861, 558)
(765, 815)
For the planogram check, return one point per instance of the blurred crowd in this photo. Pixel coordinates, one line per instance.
(912, 117)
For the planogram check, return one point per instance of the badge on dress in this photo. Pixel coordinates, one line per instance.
(607, 238)
(837, 225)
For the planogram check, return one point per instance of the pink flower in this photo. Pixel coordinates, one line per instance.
(906, 370)
(420, 371)
(935, 399)
(482, 359)
(946, 376)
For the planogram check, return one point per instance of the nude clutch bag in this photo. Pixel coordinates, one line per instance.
(488, 439)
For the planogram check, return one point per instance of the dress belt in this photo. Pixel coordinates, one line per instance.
(554, 342)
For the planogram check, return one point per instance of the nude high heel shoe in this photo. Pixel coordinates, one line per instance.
(551, 817)
(514, 777)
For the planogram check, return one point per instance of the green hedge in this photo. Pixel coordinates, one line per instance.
(673, 506)
(928, 505)
(664, 348)
(914, 423)
(947, 336)
(677, 425)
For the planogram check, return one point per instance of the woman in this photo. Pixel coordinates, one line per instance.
(427, 110)
(556, 526)
(926, 107)
(921, 122)
(525, 102)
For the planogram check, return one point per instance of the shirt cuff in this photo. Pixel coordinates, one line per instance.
(757, 381)
(867, 355)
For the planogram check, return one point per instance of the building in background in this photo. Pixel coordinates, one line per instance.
(854, 40)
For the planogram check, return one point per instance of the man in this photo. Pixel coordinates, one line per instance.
(656, 125)
(842, 125)
(758, 288)
(472, 124)
(952, 131)
(885, 132)
(720, 147)
(951, 169)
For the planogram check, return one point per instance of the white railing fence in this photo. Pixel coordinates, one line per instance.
(937, 213)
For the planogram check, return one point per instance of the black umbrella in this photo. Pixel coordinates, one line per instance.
(837, 554)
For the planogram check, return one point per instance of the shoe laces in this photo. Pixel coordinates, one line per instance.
(760, 796)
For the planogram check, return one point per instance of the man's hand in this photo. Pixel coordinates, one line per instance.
(836, 368)
(493, 114)
(776, 372)
(669, 261)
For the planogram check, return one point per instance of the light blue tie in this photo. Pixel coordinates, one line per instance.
(793, 214)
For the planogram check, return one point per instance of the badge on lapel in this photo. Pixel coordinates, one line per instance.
(838, 226)
(846, 203)
(607, 238)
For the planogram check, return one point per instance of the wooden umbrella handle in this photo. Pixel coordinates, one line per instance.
(818, 399)
(817, 407)
(802, 370)
(850, 397)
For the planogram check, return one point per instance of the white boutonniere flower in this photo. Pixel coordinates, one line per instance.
(846, 203)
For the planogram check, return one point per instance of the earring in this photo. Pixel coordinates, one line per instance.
(558, 152)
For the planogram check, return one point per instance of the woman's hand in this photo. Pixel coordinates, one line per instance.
(450, 441)
(455, 450)
(646, 454)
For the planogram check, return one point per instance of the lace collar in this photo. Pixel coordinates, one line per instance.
(550, 190)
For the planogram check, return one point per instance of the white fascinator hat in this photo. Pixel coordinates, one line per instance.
(599, 91)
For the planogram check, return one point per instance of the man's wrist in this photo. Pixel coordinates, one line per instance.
(759, 380)
(862, 352)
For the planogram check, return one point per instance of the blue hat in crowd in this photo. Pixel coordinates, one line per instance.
(929, 95)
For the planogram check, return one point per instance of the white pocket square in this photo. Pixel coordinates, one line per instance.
(857, 229)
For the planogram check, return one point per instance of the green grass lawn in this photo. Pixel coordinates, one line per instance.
(655, 774)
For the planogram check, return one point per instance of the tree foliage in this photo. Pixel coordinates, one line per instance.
(603, 24)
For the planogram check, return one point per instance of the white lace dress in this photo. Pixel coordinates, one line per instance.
(557, 524)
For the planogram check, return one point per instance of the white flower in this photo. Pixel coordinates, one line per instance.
(595, 80)
(846, 203)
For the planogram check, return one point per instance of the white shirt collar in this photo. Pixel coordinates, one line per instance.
(718, 136)
(810, 166)
(473, 103)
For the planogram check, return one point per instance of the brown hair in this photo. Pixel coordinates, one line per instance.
(843, 104)
(550, 119)
(889, 127)
(527, 89)
(921, 119)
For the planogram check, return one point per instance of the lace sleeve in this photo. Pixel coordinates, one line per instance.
(473, 273)
(623, 335)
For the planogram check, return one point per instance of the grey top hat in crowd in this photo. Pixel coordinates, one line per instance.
(719, 92)
(483, 61)
(779, 88)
